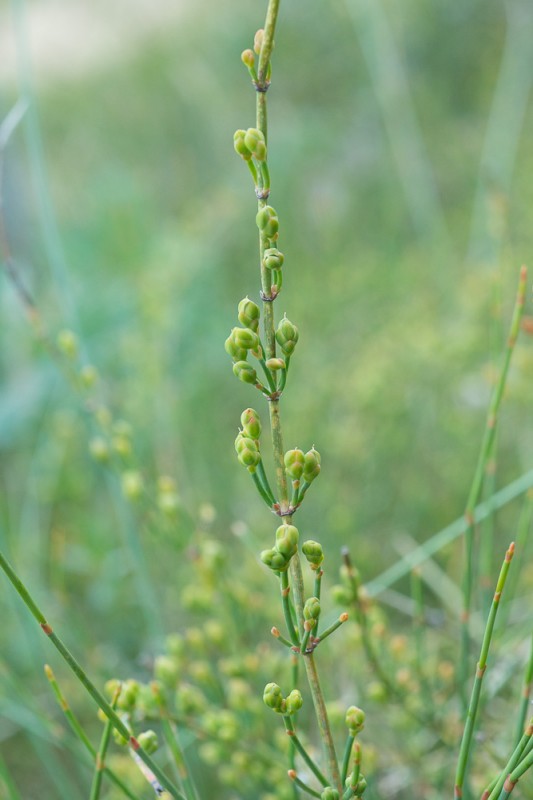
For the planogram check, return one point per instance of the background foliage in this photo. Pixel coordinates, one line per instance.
(401, 170)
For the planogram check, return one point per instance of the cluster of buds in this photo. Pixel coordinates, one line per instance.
(244, 340)
(302, 469)
(355, 720)
(314, 554)
(273, 698)
(247, 451)
(287, 336)
(286, 547)
(311, 613)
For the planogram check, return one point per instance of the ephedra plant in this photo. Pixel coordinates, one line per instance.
(206, 693)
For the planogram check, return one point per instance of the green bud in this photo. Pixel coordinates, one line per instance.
(273, 258)
(258, 40)
(311, 465)
(248, 58)
(88, 376)
(274, 559)
(132, 484)
(118, 738)
(273, 698)
(251, 423)
(294, 701)
(248, 314)
(232, 348)
(99, 449)
(148, 741)
(294, 463)
(245, 372)
(312, 610)
(239, 145)
(341, 595)
(190, 700)
(329, 794)
(245, 338)
(287, 540)
(267, 222)
(313, 553)
(147, 705)
(287, 336)
(249, 456)
(361, 785)
(355, 720)
(67, 343)
(275, 363)
(255, 142)
(166, 670)
(128, 696)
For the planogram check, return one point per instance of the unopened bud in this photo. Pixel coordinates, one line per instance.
(67, 342)
(248, 58)
(148, 741)
(267, 222)
(258, 40)
(311, 465)
(245, 372)
(275, 363)
(248, 314)
(128, 695)
(132, 484)
(329, 794)
(272, 697)
(274, 560)
(245, 338)
(294, 702)
(255, 142)
(251, 423)
(249, 455)
(166, 670)
(313, 553)
(355, 720)
(99, 449)
(273, 258)
(88, 376)
(287, 540)
(239, 145)
(287, 336)
(312, 609)
(294, 463)
(232, 349)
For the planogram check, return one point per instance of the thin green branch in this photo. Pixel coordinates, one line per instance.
(466, 741)
(79, 672)
(99, 765)
(289, 727)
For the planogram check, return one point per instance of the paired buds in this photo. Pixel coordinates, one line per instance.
(311, 613)
(273, 698)
(286, 547)
(268, 222)
(248, 314)
(250, 144)
(251, 423)
(329, 794)
(273, 258)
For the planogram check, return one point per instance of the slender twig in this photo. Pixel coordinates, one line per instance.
(466, 741)
(99, 765)
(80, 733)
(174, 745)
(515, 758)
(303, 786)
(346, 759)
(81, 675)
(477, 482)
(289, 727)
(526, 695)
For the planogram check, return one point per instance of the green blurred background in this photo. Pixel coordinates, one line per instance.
(401, 169)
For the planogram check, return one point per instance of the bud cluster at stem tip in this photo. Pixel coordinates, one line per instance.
(273, 698)
(286, 547)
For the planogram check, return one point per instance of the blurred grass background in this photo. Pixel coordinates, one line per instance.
(401, 173)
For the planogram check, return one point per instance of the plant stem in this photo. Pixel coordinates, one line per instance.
(289, 727)
(346, 760)
(173, 744)
(477, 482)
(80, 733)
(526, 694)
(480, 671)
(102, 751)
(84, 680)
(518, 753)
(286, 604)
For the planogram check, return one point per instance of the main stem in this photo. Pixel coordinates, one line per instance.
(275, 419)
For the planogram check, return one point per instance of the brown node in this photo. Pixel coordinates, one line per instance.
(134, 744)
(46, 628)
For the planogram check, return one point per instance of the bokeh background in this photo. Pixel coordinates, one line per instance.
(401, 160)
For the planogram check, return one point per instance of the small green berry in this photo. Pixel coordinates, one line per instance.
(245, 372)
(132, 484)
(166, 670)
(248, 314)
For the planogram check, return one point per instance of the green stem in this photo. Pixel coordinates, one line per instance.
(332, 628)
(303, 786)
(83, 678)
(526, 695)
(80, 733)
(261, 489)
(289, 727)
(286, 603)
(264, 481)
(514, 760)
(171, 738)
(102, 751)
(466, 741)
(346, 760)
(477, 482)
